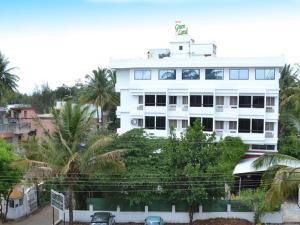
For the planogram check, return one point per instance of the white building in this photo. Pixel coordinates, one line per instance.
(173, 87)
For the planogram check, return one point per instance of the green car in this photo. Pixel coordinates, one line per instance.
(154, 220)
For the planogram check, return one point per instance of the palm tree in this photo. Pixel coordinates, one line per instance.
(99, 90)
(283, 176)
(8, 81)
(72, 153)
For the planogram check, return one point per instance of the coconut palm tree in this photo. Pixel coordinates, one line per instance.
(72, 152)
(8, 81)
(283, 176)
(99, 90)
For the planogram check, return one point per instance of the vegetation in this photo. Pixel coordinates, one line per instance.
(11, 169)
(71, 151)
(99, 91)
(8, 81)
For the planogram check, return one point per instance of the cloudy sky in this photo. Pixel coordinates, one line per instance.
(60, 41)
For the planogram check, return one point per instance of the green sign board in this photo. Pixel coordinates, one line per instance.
(57, 200)
(181, 29)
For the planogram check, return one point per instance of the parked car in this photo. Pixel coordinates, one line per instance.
(154, 220)
(102, 218)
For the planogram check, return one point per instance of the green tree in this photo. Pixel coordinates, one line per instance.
(99, 90)
(11, 169)
(8, 81)
(72, 151)
(255, 200)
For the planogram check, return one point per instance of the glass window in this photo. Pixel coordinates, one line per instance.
(244, 125)
(213, 74)
(263, 147)
(141, 100)
(207, 124)
(239, 74)
(258, 101)
(245, 101)
(269, 126)
(265, 74)
(160, 123)
(195, 100)
(193, 119)
(173, 100)
(172, 124)
(21, 201)
(149, 122)
(184, 124)
(232, 125)
(208, 101)
(142, 74)
(270, 101)
(185, 100)
(219, 125)
(190, 74)
(167, 75)
(160, 100)
(140, 122)
(149, 100)
(257, 125)
(233, 100)
(11, 203)
(219, 100)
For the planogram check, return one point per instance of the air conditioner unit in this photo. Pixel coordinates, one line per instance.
(232, 131)
(269, 134)
(269, 109)
(233, 106)
(134, 122)
(219, 108)
(140, 107)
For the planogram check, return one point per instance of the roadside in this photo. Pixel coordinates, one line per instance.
(42, 216)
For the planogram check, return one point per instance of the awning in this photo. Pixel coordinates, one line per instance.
(245, 166)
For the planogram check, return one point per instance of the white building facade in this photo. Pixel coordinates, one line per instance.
(173, 87)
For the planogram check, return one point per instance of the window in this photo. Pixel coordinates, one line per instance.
(142, 75)
(258, 101)
(140, 123)
(184, 124)
(208, 101)
(239, 74)
(160, 123)
(245, 101)
(233, 100)
(172, 124)
(232, 125)
(269, 126)
(180, 47)
(20, 201)
(257, 125)
(213, 74)
(149, 122)
(173, 100)
(265, 74)
(149, 100)
(263, 147)
(167, 75)
(11, 203)
(244, 125)
(141, 100)
(193, 119)
(190, 74)
(270, 101)
(219, 100)
(219, 125)
(195, 100)
(207, 124)
(160, 100)
(185, 100)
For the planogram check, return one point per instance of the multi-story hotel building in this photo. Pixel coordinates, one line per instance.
(173, 87)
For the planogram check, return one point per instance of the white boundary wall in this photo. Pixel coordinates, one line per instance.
(171, 217)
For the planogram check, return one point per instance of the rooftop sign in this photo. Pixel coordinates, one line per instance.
(181, 29)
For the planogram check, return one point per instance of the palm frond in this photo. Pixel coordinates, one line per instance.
(272, 159)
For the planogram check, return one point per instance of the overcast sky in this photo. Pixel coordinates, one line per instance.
(60, 41)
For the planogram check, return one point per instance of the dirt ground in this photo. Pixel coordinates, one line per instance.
(219, 221)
